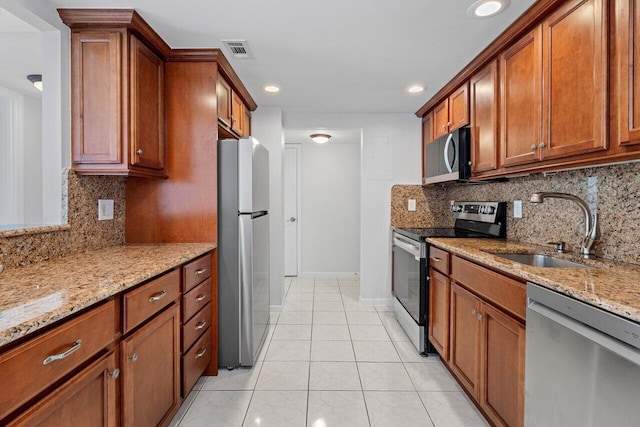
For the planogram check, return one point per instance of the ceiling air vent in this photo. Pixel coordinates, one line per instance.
(238, 48)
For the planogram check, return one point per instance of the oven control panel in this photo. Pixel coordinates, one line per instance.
(488, 212)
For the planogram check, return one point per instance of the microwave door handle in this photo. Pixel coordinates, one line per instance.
(446, 153)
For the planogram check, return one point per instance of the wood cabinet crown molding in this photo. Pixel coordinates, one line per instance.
(116, 18)
(519, 28)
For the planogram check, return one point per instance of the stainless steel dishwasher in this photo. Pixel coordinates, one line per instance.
(582, 364)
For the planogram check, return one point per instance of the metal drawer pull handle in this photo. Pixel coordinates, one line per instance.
(75, 347)
(201, 325)
(436, 259)
(201, 271)
(158, 296)
(201, 297)
(201, 352)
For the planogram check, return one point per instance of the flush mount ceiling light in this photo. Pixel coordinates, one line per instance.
(36, 80)
(320, 138)
(271, 89)
(415, 89)
(487, 8)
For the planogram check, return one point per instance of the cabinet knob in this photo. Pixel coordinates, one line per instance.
(115, 374)
(533, 147)
(474, 312)
(444, 126)
(479, 316)
(139, 151)
(542, 145)
(133, 357)
(449, 123)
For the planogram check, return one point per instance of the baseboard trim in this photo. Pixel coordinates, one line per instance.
(376, 301)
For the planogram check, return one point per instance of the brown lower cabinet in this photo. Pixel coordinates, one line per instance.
(485, 336)
(150, 361)
(87, 399)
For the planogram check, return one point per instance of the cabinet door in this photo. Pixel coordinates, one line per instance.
(237, 113)
(150, 360)
(247, 122)
(223, 95)
(87, 399)
(427, 135)
(96, 101)
(459, 108)
(439, 290)
(146, 107)
(441, 119)
(502, 368)
(484, 119)
(575, 79)
(521, 100)
(465, 338)
(628, 68)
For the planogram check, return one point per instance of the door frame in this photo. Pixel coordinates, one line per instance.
(298, 148)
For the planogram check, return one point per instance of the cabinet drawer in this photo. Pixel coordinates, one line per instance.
(32, 367)
(195, 362)
(195, 327)
(439, 259)
(145, 301)
(195, 299)
(195, 272)
(500, 290)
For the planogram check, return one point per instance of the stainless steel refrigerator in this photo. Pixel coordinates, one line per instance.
(243, 250)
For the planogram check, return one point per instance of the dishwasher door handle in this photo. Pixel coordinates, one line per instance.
(613, 345)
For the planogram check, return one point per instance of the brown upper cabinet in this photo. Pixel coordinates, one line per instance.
(233, 114)
(483, 100)
(452, 113)
(117, 85)
(553, 87)
(427, 135)
(628, 67)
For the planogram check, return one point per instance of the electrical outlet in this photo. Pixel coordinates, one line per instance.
(411, 205)
(105, 209)
(517, 208)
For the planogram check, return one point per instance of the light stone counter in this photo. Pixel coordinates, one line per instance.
(40, 294)
(610, 285)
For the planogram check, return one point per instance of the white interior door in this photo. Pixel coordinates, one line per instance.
(291, 209)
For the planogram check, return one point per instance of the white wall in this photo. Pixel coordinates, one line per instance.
(266, 126)
(33, 161)
(390, 155)
(330, 204)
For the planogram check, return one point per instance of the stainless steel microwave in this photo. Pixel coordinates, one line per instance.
(448, 158)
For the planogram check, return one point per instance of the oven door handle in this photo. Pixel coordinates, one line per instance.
(408, 247)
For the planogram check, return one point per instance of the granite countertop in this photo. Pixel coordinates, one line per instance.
(40, 294)
(612, 286)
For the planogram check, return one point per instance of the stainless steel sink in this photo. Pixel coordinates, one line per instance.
(538, 260)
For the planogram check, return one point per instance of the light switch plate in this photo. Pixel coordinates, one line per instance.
(517, 208)
(411, 205)
(105, 209)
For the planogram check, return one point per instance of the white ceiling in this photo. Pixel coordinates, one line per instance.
(330, 55)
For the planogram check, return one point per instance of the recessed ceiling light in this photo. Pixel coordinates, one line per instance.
(487, 8)
(271, 89)
(415, 89)
(320, 138)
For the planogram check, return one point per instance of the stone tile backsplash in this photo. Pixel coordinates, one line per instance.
(614, 192)
(84, 231)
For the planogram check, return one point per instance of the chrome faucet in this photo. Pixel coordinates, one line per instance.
(590, 220)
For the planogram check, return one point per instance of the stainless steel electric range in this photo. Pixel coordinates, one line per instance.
(410, 262)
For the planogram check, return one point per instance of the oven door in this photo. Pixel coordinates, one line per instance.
(409, 282)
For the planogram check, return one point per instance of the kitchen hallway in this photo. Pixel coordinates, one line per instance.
(330, 361)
